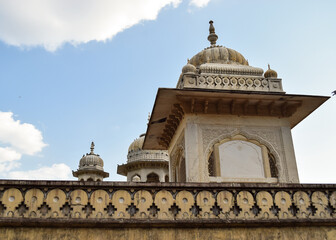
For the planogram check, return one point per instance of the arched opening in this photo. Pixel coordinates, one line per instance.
(90, 179)
(166, 178)
(240, 159)
(153, 177)
(136, 178)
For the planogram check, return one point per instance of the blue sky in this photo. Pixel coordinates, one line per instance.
(74, 74)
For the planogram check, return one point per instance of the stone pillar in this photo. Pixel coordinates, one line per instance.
(290, 155)
(194, 153)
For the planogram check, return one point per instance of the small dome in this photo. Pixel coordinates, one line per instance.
(189, 68)
(136, 153)
(91, 167)
(270, 73)
(91, 160)
(137, 144)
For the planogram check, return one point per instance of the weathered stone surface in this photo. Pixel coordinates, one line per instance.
(286, 233)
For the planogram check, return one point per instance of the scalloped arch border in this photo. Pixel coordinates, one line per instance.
(249, 137)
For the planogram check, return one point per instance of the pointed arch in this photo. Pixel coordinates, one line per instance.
(270, 156)
(152, 177)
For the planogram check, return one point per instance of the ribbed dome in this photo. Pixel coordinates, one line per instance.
(136, 153)
(91, 160)
(91, 167)
(218, 54)
(137, 144)
(270, 73)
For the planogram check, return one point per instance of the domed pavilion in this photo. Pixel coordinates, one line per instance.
(145, 165)
(91, 167)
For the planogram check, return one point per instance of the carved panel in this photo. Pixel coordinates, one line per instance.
(206, 202)
(99, 200)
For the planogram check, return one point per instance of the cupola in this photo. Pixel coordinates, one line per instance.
(91, 167)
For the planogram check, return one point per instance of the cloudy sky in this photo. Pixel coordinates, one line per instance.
(73, 71)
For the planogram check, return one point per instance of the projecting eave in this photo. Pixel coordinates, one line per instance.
(90, 171)
(172, 104)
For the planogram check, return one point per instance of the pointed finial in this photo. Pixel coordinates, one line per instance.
(92, 147)
(212, 35)
(269, 66)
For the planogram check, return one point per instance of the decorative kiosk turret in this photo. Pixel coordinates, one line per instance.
(145, 165)
(90, 167)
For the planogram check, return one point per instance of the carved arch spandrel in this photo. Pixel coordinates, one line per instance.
(218, 135)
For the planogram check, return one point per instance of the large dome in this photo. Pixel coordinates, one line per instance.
(218, 54)
(217, 59)
(222, 68)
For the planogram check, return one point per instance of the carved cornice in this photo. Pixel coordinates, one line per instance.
(239, 106)
(171, 125)
(166, 116)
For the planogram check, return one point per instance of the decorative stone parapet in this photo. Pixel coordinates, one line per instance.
(147, 155)
(56, 202)
(248, 83)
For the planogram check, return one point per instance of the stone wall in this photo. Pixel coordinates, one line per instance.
(262, 233)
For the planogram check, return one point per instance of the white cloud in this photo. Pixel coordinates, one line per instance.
(55, 172)
(7, 155)
(23, 138)
(18, 139)
(199, 3)
(5, 167)
(50, 23)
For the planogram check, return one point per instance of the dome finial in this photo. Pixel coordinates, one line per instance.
(92, 147)
(212, 35)
(270, 73)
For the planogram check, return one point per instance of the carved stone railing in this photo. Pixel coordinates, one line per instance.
(215, 81)
(59, 202)
(147, 155)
